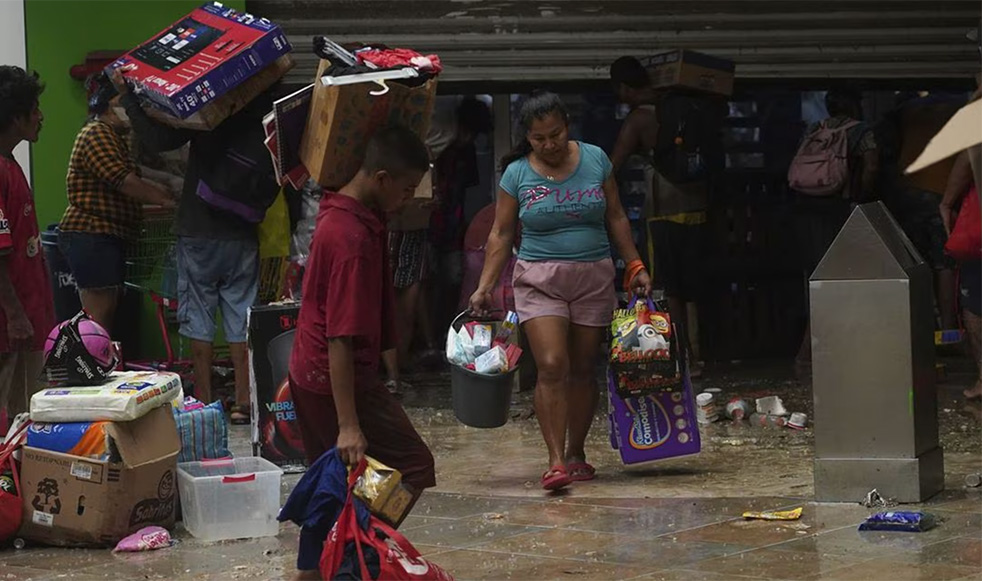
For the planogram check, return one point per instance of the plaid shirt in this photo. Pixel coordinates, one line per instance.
(99, 163)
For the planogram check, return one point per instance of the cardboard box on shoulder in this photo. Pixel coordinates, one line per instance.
(201, 57)
(343, 118)
(688, 69)
(275, 430)
(76, 501)
(211, 115)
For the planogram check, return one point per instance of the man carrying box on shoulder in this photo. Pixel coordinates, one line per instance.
(217, 240)
(347, 318)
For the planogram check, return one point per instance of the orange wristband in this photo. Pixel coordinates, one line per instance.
(632, 270)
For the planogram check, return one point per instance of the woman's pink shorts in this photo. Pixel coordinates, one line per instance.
(582, 292)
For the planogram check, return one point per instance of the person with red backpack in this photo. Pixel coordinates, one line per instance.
(834, 169)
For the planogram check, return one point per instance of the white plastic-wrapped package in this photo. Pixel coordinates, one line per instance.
(125, 397)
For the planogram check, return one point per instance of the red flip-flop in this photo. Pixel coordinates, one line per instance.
(581, 471)
(557, 477)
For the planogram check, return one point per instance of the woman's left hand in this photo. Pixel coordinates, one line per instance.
(641, 285)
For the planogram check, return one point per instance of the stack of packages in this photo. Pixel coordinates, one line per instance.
(101, 453)
(100, 459)
(652, 414)
(478, 348)
(355, 94)
(206, 67)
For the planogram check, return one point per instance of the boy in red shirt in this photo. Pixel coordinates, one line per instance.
(26, 303)
(347, 318)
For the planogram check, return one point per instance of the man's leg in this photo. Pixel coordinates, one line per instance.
(202, 357)
(238, 294)
(100, 304)
(197, 305)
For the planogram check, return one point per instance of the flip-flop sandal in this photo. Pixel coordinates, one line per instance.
(240, 415)
(581, 471)
(556, 478)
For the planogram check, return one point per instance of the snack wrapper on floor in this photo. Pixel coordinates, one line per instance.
(83, 439)
(145, 539)
(774, 515)
(900, 521)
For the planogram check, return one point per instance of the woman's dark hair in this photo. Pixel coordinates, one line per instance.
(629, 71)
(538, 106)
(19, 92)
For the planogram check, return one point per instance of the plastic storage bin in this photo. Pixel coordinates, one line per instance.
(230, 499)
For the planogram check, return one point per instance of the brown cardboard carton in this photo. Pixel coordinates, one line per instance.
(688, 69)
(70, 500)
(212, 115)
(343, 118)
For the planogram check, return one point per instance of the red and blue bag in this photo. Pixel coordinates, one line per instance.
(375, 552)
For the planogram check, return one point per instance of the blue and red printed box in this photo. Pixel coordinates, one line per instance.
(201, 57)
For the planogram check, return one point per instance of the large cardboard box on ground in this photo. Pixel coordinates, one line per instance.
(70, 500)
(687, 69)
(211, 115)
(343, 118)
(275, 430)
(201, 57)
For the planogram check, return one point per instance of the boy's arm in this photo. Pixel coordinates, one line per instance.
(353, 306)
(351, 442)
(19, 328)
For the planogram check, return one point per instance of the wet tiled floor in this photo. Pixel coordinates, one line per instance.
(676, 520)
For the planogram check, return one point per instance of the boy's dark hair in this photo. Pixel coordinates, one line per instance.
(629, 71)
(395, 149)
(844, 102)
(19, 92)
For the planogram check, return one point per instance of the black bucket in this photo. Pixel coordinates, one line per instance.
(480, 401)
(67, 304)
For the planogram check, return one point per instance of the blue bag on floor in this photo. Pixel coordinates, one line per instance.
(204, 434)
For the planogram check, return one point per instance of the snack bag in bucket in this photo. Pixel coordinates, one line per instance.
(644, 350)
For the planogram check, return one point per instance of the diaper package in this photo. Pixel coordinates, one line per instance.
(127, 396)
(85, 439)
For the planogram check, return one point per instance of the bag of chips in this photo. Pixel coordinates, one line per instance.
(644, 350)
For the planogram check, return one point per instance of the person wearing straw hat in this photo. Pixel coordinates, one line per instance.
(565, 196)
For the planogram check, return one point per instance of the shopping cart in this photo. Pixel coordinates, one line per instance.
(151, 268)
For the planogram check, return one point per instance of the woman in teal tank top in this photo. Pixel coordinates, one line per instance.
(566, 199)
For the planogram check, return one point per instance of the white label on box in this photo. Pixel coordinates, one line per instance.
(81, 471)
(167, 39)
(44, 519)
(176, 61)
(179, 45)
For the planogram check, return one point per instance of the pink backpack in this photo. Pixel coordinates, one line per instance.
(821, 166)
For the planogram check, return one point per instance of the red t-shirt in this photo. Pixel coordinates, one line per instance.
(347, 292)
(20, 242)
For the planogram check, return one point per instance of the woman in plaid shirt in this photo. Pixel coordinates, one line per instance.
(105, 196)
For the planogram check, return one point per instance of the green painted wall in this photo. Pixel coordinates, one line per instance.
(59, 35)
